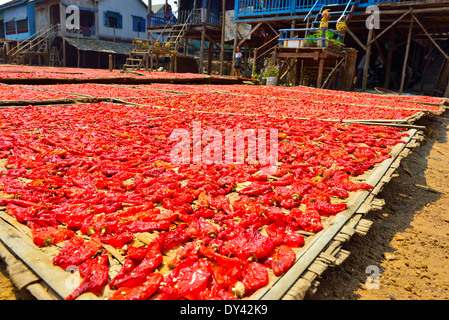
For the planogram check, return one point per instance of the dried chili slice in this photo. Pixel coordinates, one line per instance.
(49, 235)
(187, 280)
(141, 292)
(95, 276)
(281, 259)
(134, 273)
(75, 251)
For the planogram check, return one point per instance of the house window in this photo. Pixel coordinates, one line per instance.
(139, 24)
(41, 17)
(10, 27)
(22, 26)
(113, 19)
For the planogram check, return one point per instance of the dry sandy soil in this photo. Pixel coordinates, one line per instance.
(408, 241)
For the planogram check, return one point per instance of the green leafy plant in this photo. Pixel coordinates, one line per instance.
(271, 70)
(313, 37)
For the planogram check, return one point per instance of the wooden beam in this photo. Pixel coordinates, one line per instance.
(235, 46)
(428, 58)
(389, 59)
(368, 53)
(431, 39)
(64, 52)
(250, 33)
(320, 73)
(332, 72)
(203, 37)
(356, 39)
(404, 66)
(391, 25)
(222, 44)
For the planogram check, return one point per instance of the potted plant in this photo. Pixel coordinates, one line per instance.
(271, 72)
(311, 40)
(336, 41)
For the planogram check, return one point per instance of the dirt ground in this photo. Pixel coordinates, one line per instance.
(408, 242)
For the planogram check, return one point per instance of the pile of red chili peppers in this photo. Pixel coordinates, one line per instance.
(85, 176)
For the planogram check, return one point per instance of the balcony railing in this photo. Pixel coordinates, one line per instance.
(249, 8)
(181, 17)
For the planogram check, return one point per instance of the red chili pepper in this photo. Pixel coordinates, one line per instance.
(282, 233)
(281, 259)
(248, 244)
(255, 277)
(328, 208)
(44, 237)
(134, 273)
(75, 251)
(141, 292)
(187, 280)
(256, 189)
(310, 220)
(95, 276)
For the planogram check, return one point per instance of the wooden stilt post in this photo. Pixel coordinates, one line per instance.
(110, 63)
(209, 58)
(389, 59)
(320, 73)
(64, 52)
(367, 59)
(407, 49)
(426, 65)
(203, 38)
(235, 46)
(223, 25)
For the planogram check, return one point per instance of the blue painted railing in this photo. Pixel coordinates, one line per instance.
(250, 8)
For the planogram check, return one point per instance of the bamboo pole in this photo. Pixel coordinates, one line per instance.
(223, 25)
(404, 66)
(367, 59)
(389, 59)
(431, 39)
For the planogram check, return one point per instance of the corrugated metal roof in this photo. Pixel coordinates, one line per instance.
(100, 45)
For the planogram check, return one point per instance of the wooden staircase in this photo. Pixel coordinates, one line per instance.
(143, 50)
(140, 53)
(38, 44)
(338, 12)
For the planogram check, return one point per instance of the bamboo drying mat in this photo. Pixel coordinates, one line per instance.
(46, 281)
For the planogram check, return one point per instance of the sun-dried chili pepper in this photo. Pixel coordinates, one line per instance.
(187, 280)
(141, 292)
(95, 276)
(75, 251)
(255, 276)
(134, 273)
(281, 259)
(310, 220)
(249, 244)
(256, 189)
(282, 233)
(328, 208)
(46, 236)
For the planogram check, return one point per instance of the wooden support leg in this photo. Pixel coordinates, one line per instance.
(389, 59)
(368, 54)
(209, 59)
(203, 38)
(235, 46)
(320, 73)
(64, 53)
(407, 49)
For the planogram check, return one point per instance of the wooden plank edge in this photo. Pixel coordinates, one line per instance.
(277, 290)
(41, 265)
